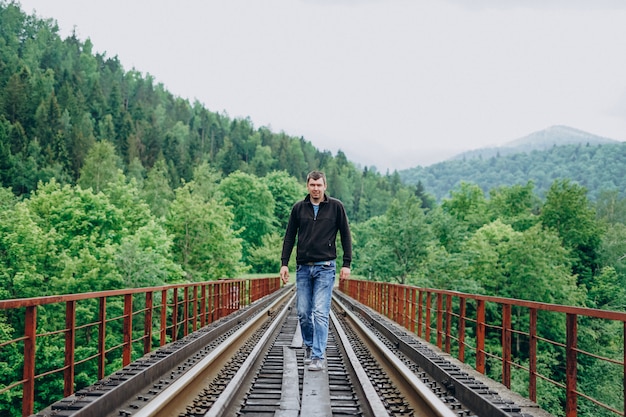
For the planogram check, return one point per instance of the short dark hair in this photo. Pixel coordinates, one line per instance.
(316, 175)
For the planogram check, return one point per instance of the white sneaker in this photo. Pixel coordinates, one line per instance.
(316, 365)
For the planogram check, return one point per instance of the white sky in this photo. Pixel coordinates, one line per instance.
(392, 83)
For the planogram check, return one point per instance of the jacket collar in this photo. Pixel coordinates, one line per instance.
(324, 200)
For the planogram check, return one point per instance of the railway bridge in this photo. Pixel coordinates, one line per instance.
(232, 347)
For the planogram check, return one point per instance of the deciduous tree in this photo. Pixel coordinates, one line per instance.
(252, 203)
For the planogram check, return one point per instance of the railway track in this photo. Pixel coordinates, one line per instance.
(251, 364)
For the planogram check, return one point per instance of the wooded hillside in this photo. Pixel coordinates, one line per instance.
(599, 168)
(59, 98)
(110, 181)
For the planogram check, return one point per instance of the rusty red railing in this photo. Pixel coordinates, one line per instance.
(142, 319)
(503, 335)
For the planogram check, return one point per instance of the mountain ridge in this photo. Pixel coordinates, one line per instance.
(556, 135)
(559, 152)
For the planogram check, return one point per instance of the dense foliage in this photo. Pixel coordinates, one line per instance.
(59, 99)
(109, 181)
(596, 167)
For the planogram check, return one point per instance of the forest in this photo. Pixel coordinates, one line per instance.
(109, 181)
(597, 167)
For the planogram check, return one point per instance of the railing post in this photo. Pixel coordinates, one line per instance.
(380, 298)
(253, 286)
(480, 336)
(102, 330)
(420, 313)
(128, 329)
(462, 313)
(186, 311)
(392, 293)
(163, 328)
(448, 321)
(439, 320)
(30, 334)
(375, 301)
(407, 307)
(506, 345)
(70, 343)
(223, 295)
(230, 296)
(203, 305)
(175, 314)
(194, 307)
(147, 324)
(427, 323)
(362, 290)
(413, 293)
(532, 353)
(213, 304)
(571, 400)
(241, 299)
(400, 304)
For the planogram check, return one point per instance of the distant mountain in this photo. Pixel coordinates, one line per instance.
(598, 164)
(538, 141)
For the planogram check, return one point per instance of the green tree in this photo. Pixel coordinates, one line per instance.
(49, 130)
(252, 203)
(102, 166)
(156, 190)
(266, 258)
(396, 244)
(83, 229)
(529, 265)
(263, 161)
(286, 191)
(206, 182)
(145, 258)
(610, 207)
(26, 253)
(515, 205)
(468, 204)
(613, 252)
(137, 172)
(569, 213)
(202, 232)
(227, 158)
(16, 95)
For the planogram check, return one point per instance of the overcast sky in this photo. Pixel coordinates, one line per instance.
(392, 83)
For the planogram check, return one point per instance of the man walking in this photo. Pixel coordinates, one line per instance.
(316, 221)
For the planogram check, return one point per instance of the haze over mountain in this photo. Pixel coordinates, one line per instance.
(541, 140)
(393, 84)
(558, 152)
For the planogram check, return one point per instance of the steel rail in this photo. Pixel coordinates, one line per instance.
(171, 394)
(431, 401)
(374, 403)
(231, 390)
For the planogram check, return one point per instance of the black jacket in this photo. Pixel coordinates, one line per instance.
(317, 236)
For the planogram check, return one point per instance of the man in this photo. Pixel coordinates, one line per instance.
(316, 220)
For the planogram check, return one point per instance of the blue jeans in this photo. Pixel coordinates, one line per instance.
(314, 285)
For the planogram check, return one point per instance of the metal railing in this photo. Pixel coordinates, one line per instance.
(107, 330)
(502, 335)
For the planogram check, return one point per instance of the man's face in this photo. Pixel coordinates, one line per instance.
(316, 188)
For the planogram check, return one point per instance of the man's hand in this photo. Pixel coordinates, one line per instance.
(284, 274)
(344, 273)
